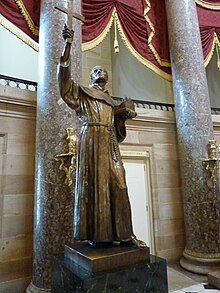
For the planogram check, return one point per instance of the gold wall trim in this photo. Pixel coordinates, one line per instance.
(27, 17)
(18, 33)
(208, 5)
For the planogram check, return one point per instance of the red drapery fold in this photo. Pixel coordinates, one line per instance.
(23, 14)
(157, 31)
(141, 23)
(132, 25)
(98, 16)
(209, 24)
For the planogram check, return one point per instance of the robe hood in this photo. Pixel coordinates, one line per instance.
(99, 95)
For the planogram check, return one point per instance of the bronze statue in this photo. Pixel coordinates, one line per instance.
(102, 212)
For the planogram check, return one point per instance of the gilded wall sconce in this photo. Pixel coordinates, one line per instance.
(212, 162)
(68, 160)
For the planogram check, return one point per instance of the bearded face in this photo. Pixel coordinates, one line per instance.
(99, 75)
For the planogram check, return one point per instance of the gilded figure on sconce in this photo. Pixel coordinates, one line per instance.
(68, 160)
(72, 141)
(212, 162)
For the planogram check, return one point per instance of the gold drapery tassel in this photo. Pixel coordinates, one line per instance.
(116, 45)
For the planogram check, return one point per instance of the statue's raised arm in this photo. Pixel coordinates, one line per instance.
(68, 88)
(68, 37)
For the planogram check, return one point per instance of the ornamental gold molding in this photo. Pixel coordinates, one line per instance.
(34, 29)
(18, 33)
(208, 5)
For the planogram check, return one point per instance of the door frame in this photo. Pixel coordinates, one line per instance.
(144, 156)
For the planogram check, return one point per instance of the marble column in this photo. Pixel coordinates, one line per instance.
(53, 199)
(194, 127)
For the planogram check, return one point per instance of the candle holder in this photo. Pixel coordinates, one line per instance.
(68, 160)
(212, 162)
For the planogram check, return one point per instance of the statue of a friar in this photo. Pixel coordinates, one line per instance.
(102, 212)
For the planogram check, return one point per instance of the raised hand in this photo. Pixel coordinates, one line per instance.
(67, 34)
(68, 37)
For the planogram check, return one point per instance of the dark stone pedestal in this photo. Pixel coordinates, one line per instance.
(145, 276)
(103, 259)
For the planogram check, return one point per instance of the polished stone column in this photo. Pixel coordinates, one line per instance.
(53, 199)
(194, 127)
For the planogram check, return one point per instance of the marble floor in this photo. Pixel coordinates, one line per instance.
(180, 281)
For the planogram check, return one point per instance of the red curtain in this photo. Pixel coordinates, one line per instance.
(132, 25)
(143, 27)
(24, 14)
(141, 23)
(209, 24)
(97, 16)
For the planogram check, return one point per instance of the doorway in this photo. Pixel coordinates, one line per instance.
(139, 189)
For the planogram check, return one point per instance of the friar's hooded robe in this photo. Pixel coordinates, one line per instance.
(102, 210)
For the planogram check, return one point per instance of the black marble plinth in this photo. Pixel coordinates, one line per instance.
(102, 259)
(68, 277)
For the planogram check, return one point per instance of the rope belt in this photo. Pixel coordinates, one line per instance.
(114, 144)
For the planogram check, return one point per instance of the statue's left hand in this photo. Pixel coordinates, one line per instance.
(126, 110)
(131, 114)
(128, 103)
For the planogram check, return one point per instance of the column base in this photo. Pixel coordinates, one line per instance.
(34, 289)
(200, 263)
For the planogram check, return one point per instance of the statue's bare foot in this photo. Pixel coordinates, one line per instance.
(134, 242)
(139, 243)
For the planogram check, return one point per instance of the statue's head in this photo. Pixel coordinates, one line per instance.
(98, 75)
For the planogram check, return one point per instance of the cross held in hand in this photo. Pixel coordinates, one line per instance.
(70, 15)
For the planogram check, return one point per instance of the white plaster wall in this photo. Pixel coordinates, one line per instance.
(132, 79)
(16, 58)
